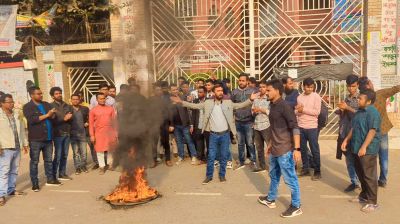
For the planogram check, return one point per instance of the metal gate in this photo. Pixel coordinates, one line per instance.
(86, 80)
(200, 38)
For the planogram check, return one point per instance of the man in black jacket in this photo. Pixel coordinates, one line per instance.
(161, 101)
(197, 121)
(39, 114)
(182, 126)
(79, 129)
(62, 131)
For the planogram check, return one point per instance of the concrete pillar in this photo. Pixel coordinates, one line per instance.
(131, 43)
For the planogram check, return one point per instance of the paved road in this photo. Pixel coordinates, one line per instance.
(185, 200)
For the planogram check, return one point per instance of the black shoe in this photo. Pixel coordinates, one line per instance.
(35, 188)
(53, 183)
(64, 177)
(316, 176)
(84, 169)
(222, 179)
(351, 188)
(95, 167)
(207, 180)
(292, 212)
(17, 193)
(264, 200)
(381, 184)
(78, 171)
(305, 173)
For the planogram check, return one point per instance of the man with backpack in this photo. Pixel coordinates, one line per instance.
(307, 110)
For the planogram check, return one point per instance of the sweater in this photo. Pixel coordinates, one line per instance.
(308, 119)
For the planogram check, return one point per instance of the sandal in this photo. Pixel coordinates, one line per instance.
(2, 201)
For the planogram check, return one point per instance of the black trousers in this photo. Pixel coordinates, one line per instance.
(339, 152)
(261, 137)
(199, 140)
(366, 169)
(164, 140)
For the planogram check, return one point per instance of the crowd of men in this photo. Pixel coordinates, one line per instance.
(268, 120)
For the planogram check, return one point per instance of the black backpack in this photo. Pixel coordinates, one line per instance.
(323, 115)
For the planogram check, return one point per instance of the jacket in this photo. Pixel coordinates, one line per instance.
(380, 103)
(37, 130)
(75, 133)
(227, 107)
(196, 115)
(61, 127)
(241, 95)
(183, 113)
(7, 135)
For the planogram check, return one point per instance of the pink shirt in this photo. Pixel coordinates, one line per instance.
(308, 119)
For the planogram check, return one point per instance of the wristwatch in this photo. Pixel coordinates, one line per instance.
(298, 149)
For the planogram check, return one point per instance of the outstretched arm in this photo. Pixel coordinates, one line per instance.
(246, 103)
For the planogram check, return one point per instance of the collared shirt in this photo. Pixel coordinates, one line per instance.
(201, 116)
(346, 116)
(61, 127)
(217, 119)
(283, 127)
(240, 95)
(109, 102)
(365, 120)
(78, 130)
(261, 121)
(47, 121)
(13, 126)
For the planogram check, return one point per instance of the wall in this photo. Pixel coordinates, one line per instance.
(56, 57)
(131, 43)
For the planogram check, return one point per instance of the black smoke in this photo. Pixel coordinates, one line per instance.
(139, 121)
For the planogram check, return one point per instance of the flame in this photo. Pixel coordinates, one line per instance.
(132, 188)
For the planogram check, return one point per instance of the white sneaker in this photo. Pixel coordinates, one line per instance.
(180, 161)
(247, 161)
(216, 163)
(229, 165)
(195, 161)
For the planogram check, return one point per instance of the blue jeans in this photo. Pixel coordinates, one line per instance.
(310, 136)
(61, 148)
(182, 135)
(283, 166)
(9, 164)
(47, 149)
(92, 151)
(218, 143)
(351, 169)
(218, 156)
(384, 158)
(80, 153)
(245, 138)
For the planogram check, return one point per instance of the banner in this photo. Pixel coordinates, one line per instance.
(388, 27)
(8, 16)
(13, 81)
(374, 59)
